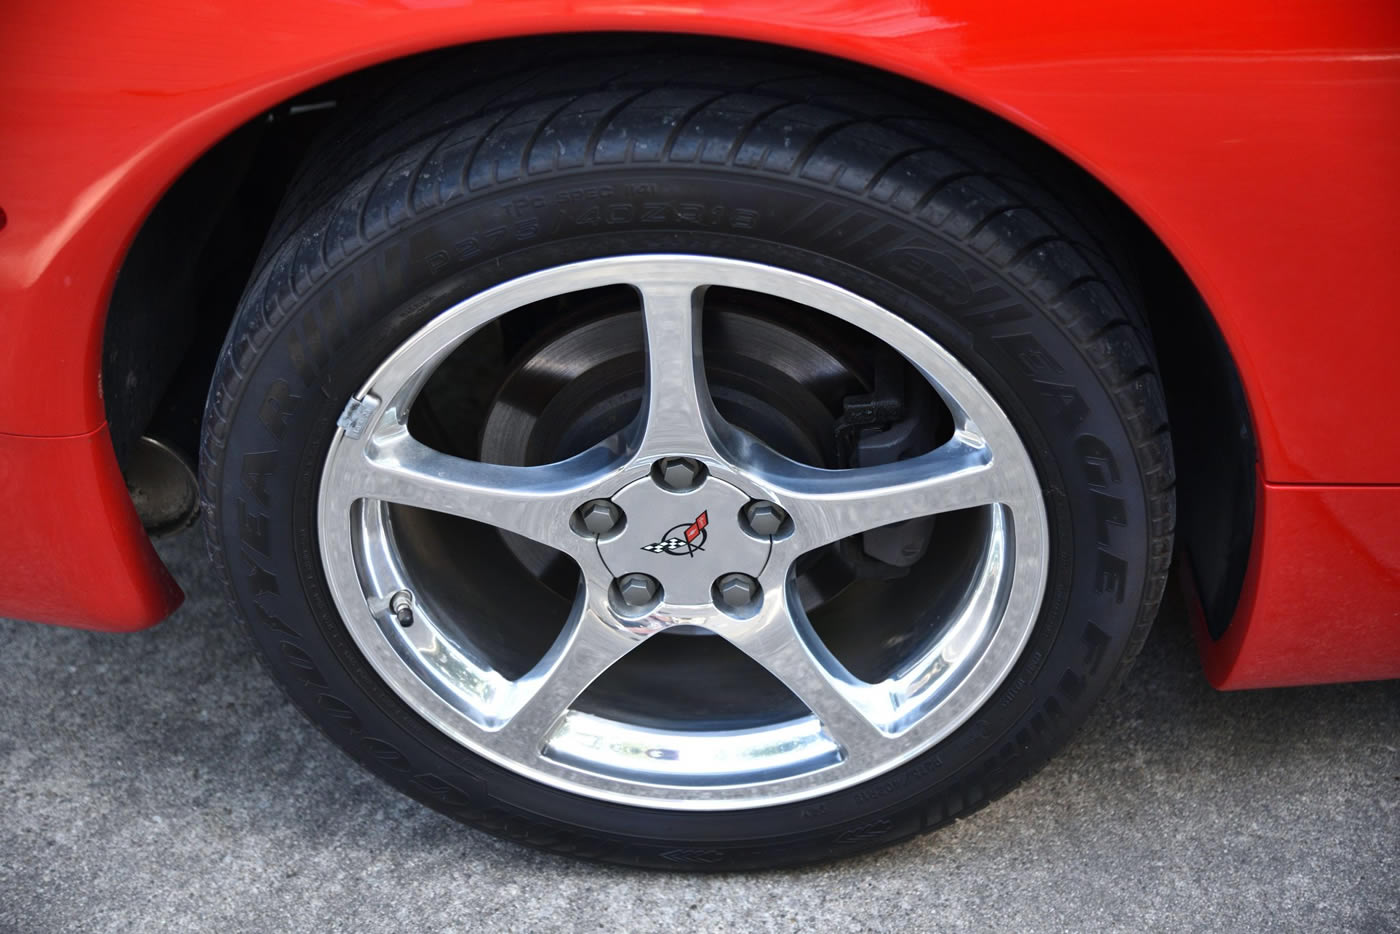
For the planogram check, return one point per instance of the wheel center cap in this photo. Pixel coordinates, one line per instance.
(685, 539)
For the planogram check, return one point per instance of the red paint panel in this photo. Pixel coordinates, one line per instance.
(1322, 599)
(73, 551)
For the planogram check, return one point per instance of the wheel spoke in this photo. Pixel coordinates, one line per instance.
(679, 416)
(828, 505)
(535, 502)
(587, 647)
(782, 640)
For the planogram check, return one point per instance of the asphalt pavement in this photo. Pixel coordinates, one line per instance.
(159, 781)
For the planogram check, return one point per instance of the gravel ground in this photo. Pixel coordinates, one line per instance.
(160, 781)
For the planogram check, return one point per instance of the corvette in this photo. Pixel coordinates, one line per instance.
(708, 435)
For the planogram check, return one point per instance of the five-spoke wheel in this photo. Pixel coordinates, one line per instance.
(682, 520)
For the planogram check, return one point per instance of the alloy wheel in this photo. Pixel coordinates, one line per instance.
(681, 523)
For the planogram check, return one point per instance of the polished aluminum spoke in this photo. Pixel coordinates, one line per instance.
(679, 415)
(829, 505)
(588, 645)
(535, 502)
(781, 640)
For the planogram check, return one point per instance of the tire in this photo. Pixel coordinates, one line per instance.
(399, 219)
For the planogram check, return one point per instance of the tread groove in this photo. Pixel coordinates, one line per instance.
(939, 188)
(684, 119)
(748, 129)
(600, 127)
(981, 225)
(804, 155)
(889, 164)
(529, 147)
(1075, 284)
(1031, 247)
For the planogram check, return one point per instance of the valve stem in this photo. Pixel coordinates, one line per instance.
(401, 605)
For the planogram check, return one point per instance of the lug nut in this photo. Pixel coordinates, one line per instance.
(401, 605)
(599, 516)
(678, 473)
(736, 590)
(763, 517)
(637, 589)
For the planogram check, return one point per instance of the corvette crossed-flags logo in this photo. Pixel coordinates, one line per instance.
(690, 540)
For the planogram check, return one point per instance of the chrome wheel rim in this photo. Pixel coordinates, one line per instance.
(854, 730)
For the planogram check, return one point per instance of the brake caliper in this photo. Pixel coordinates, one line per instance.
(887, 425)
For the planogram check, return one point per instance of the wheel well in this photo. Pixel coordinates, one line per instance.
(180, 282)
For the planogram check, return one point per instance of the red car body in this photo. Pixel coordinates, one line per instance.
(1258, 140)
